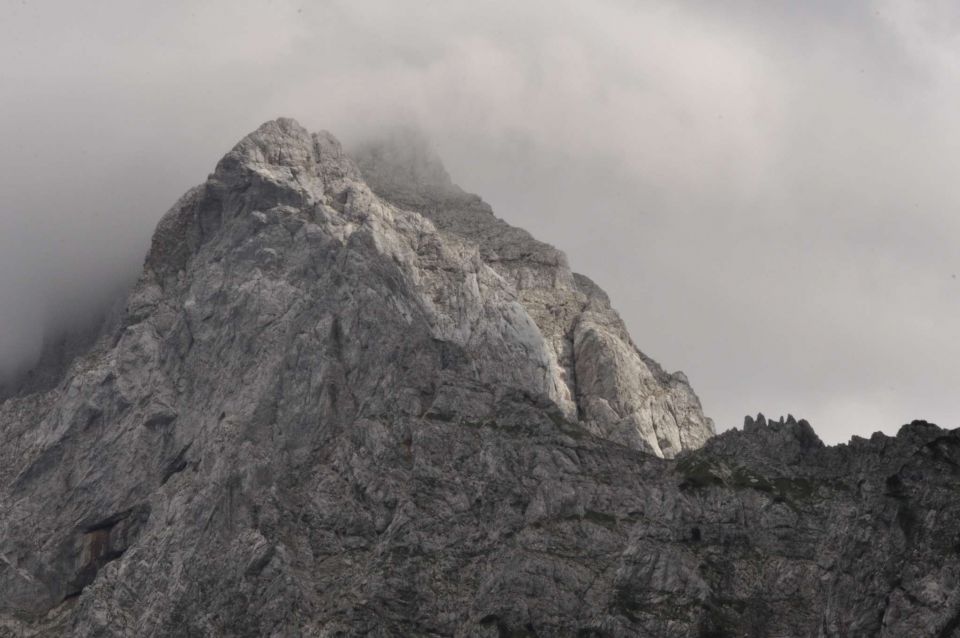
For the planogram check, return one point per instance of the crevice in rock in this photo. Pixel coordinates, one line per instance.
(177, 465)
(951, 626)
(104, 541)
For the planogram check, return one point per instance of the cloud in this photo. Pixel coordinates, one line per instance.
(765, 189)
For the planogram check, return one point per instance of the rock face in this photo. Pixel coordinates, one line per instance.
(602, 378)
(344, 399)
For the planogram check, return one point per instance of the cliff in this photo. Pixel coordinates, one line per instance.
(345, 399)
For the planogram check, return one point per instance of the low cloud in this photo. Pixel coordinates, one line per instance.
(765, 189)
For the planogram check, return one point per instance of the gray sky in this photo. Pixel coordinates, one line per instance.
(767, 190)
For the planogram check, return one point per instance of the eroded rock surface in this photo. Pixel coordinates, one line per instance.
(615, 390)
(345, 399)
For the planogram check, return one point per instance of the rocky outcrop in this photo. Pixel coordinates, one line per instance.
(345, 399)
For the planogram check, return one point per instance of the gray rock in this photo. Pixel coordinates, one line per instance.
(345, 399)
(604, 379)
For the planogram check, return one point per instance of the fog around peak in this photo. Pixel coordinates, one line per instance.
(765, 190)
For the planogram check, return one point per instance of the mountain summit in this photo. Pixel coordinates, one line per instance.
(346, 399)
(408, 267)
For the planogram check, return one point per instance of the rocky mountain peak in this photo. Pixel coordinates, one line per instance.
(285, 144)
(339, 403)
(396, 193)
(281, 143)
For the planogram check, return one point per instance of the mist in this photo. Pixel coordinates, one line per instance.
(766, 190)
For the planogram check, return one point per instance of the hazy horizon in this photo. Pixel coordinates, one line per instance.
(765, 191)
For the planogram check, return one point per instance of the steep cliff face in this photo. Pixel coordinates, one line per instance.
(605, 382)
(345, 399)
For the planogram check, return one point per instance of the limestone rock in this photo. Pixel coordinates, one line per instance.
(345, 399)
(604, 379)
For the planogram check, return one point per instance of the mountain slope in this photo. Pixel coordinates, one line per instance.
(345, 399)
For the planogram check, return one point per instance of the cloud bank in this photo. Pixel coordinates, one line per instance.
(765, 189)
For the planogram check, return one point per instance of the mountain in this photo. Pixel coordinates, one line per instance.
(344, 399)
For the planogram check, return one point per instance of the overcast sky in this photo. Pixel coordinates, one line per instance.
(768, 190)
